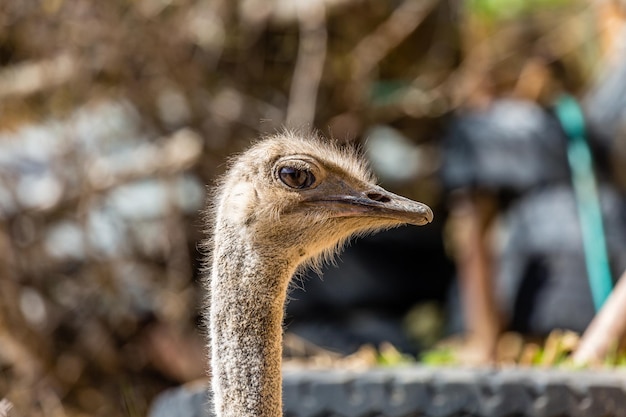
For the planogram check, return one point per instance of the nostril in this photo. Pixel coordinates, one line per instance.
(378, 197)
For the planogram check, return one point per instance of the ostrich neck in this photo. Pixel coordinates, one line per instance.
(247, 297)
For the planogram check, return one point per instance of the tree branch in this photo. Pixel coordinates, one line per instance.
(309, 65)
(606, 329)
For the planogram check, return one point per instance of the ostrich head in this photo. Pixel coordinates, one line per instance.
(299, 198)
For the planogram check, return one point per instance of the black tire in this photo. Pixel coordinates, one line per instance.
(432, 392)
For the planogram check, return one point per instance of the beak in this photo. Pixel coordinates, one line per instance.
(375, 202)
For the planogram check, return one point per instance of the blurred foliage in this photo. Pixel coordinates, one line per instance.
(106, 106)
(517, 350)
(388, 355)
(439, 357)
(497, 10)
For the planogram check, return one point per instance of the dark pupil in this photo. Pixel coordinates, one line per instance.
(296, 178)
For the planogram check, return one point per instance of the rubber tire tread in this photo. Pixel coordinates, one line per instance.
(430, 392)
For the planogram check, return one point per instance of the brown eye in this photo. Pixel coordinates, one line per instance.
(296, 178)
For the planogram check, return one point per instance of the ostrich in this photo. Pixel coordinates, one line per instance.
(290, 200)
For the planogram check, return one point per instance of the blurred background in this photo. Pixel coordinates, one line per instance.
(115, 115)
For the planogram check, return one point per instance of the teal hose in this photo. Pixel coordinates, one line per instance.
(572, 120)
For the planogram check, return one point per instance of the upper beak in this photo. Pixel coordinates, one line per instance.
(376, 202)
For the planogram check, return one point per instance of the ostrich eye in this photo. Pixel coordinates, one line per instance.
(296, 178)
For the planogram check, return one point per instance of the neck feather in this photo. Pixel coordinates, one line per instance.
(247, 297)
